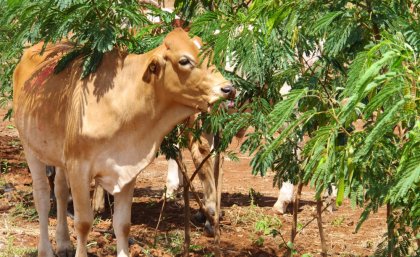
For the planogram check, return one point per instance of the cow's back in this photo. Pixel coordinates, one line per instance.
(40, 100)
(61, 115)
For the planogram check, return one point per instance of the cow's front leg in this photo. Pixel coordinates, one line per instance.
(64, 246)
(41, 192)
(199, 151)
(79, 179)
(122, 218)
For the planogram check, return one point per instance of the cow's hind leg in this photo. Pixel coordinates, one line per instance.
(41, 192)
(285, 197)
(122, 218)
(64, 246)
(79, 179)
(199, 151)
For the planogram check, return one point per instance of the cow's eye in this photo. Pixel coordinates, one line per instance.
(184, 61)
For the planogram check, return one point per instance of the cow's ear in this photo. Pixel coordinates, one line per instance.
(154, 67)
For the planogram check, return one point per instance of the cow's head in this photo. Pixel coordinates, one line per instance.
(184, 77)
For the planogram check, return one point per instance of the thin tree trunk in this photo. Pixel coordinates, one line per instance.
(187, 227)
(320, 228)
(295, 215)
(160, 217)
(218, 174)
(390, 230)
(187, 180)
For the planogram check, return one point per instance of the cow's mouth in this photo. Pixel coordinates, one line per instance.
(227, 103)
(228, 97)
(231, 103)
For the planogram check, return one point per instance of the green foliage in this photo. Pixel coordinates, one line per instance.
(354, 75)
(351, 117)
(95, 27)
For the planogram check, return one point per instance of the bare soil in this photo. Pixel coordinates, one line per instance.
(243, 213)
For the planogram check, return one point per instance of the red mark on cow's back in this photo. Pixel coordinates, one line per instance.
(41, 75)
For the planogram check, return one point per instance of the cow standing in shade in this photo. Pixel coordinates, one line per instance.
(106, 127)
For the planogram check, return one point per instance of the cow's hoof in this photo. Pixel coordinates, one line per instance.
(278, 211)
(280, 207)
(199, 218)
(208, 229)
(45, 253)
(45, 250)
(66, 252)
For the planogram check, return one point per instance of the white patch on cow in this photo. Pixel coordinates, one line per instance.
(174, 178)
(229, 64)
(285, 197)
(197, 43)
(330, 198)
(285, 89)
(169, 10)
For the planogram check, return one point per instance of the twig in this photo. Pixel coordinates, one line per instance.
(110, 204)
(309, 222)
(96, 10)
(282, 238)
(201, 165)
(187, 226)
(160, 215)
(183, 170)
(375, 27)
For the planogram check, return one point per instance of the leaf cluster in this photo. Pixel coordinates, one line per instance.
(95, 27)
(352, 113)
(329, 90)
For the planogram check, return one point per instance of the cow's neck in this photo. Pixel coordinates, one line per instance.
(152, 115)
(141, 147)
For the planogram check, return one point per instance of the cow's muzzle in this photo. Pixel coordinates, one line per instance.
(229, 91)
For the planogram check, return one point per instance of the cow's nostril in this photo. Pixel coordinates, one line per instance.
(230, 91)
(227, 89)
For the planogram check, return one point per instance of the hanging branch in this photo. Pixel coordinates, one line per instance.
(187, 181)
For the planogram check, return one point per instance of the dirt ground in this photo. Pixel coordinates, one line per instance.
(246, 225)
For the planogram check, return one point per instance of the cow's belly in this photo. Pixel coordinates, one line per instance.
(120, 161)
(42, 138)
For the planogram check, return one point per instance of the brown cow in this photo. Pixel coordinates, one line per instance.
(106, 127)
